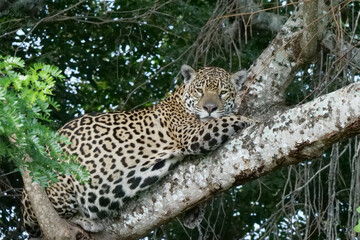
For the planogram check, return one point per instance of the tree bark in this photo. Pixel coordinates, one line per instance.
(273, 71)
(52, 225)
(308, 42)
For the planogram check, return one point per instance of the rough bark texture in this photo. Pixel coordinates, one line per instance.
(273, 71)
(294, 46)
(288, 138)
(308, 41)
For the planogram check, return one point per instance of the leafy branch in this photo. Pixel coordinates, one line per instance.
(25, 107)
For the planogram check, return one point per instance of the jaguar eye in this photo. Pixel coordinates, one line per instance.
(223, 93)
(199, 91)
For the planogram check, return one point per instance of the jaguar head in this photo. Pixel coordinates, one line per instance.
(210, 92)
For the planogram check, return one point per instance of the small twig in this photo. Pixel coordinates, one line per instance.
(45, 19)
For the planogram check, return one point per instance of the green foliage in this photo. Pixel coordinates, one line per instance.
(25, 105)
(357, 227)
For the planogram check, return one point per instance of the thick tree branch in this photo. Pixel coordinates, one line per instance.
(309, 37)
(52, 225)
(273, 70)
(291, 137)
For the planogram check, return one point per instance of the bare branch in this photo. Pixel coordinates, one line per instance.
(348, 51)
(45, 19)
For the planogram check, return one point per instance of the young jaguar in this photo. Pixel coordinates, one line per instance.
(126, 152)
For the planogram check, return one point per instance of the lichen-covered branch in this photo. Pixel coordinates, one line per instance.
(291, 137)
(273, 70)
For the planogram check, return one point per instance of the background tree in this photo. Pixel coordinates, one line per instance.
(121, 55)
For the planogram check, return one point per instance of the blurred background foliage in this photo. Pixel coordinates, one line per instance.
(120, 55)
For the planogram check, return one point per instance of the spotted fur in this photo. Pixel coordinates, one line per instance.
(126, 152)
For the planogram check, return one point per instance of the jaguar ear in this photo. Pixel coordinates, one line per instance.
(188, 73)
(238, 79)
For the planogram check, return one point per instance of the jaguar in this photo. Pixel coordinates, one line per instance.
(127, 152)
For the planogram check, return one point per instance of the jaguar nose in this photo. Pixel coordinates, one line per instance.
(210, 107)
